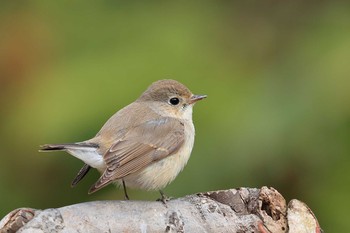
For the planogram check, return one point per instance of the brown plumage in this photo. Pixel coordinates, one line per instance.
(145, 144)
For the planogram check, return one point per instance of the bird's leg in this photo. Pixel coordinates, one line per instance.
(125, 193)
(163, 198)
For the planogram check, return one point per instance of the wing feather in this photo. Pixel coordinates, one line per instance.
(141, 146)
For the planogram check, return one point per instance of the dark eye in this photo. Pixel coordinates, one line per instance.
(174, 101)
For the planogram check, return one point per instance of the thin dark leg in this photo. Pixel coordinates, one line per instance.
(125, 193)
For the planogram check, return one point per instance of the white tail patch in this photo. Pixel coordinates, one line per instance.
(89, 156)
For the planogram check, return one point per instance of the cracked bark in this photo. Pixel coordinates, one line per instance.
(233, 210)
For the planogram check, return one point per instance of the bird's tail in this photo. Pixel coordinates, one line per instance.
(83, 151)
(66, 146)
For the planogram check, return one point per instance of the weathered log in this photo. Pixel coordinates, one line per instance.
(234, 210)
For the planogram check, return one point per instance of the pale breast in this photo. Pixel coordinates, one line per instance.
(157, 175)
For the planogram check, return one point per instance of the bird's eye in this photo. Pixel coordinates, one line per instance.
(174, 101)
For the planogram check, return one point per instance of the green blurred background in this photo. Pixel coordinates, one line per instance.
(277, 74)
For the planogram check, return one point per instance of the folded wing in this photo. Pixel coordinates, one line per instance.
(140, 146)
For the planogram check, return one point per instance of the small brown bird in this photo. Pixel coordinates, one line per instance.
(145, 145)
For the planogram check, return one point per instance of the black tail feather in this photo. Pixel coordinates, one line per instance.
(53, 147)
(81, 174)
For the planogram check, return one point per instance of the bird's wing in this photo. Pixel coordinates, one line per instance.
(142, 145)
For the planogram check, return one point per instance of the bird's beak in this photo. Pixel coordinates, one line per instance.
(195, 98)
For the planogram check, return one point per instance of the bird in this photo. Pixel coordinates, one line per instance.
(144, 145)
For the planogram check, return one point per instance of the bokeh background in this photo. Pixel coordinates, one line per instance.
(276, 73)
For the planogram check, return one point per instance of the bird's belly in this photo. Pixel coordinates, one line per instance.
(157, 175)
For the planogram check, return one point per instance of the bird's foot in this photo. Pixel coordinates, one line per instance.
(164, 198)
